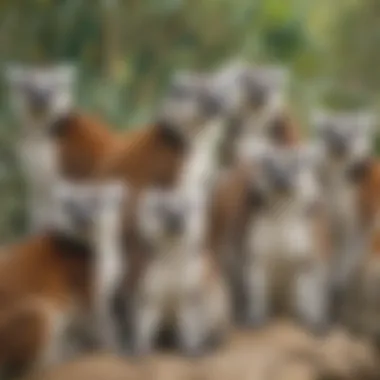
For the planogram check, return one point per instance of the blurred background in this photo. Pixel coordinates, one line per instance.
(126, 50)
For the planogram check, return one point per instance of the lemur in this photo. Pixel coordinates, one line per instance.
(155, 155)
(181, 286)
(81, 147)
(286, 249)
(39, 98)
(360, 302)
(56, 287)
(254, 98)
(254, 106)
(176, 152)
(344, 142)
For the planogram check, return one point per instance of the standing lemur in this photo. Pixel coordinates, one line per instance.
(56, 287)
(181, 286)
(344, 144)
(285, 249)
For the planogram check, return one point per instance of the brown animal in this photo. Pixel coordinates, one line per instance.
(54, 287)
(181, 286)
(345, 144)
(55, 141)
(58, 141)
(361, 309)
(254, 108)
(282, 248)
(254, 111)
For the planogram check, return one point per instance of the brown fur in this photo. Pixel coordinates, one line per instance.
(231, 194)
(209, 295)
(147, 157)
(88, 148)
(361, 308)
(322, 232)
(83, 143)
(233, 205)
(228, 207)
(140, 157)
(282, 130)
(37, 278)
(369, 190)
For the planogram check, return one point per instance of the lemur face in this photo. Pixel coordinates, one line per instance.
(285, 172)
(345, 137)
(163, 214)
(40, 94)
(250, 89)
(189, 103)
(82, 209)
(264, 86)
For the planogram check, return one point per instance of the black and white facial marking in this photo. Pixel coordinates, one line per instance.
(264, 86)
(228, 83)
(285, 173)
(41, 94)
(165, 215)
(161, 215)
(251, 89)
(88, 211)
(189, 103)
(345, 137)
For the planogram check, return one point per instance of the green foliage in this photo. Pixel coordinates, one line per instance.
(127, 49)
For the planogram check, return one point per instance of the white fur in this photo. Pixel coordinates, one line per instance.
(37, 149)
(185, 111)
(108, 271)
(228, 84)
(254, 128)
(61, 101)
(105, 240)
(340, 193)
(174, 291)
(109, 264)
(39, 158)
(59, 344)
(283, 235)
(197, 179)
(341, 200)
(255, 123)
(201, 163)
(174, 287)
